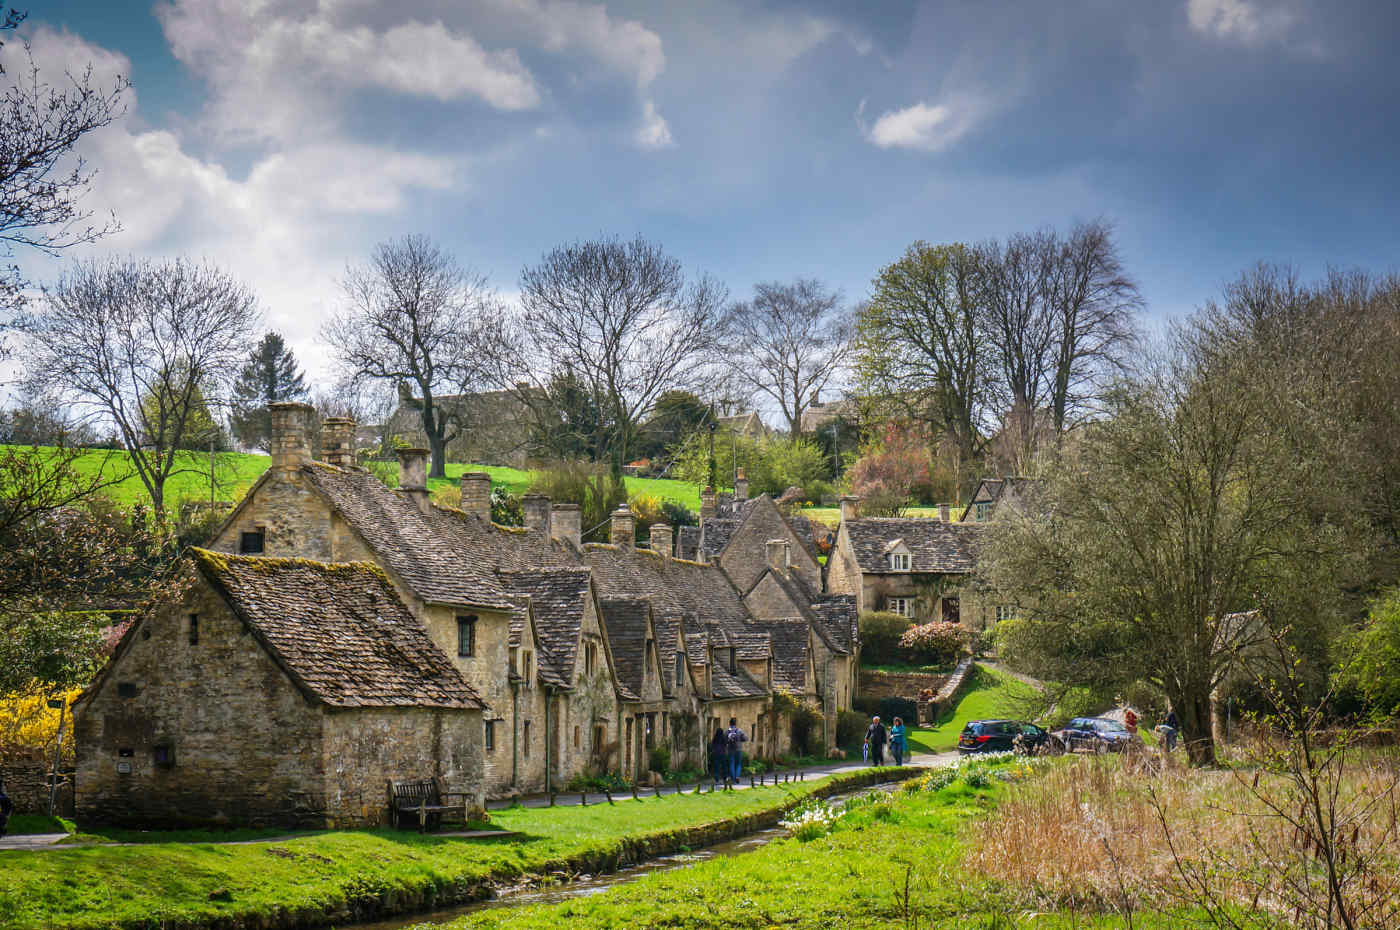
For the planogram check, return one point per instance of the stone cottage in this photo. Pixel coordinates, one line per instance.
(916, 567)
(272, 691)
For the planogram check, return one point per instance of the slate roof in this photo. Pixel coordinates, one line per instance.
(429, 551)
(339, 630)
(753, 645)
(791, 638)
(558, 598)
(626, 622)
(697, 648)
(687, 542)
(837, 616)
(995, 490)
(809, 532)
(675, 587)
(728, 686)
(935, 546)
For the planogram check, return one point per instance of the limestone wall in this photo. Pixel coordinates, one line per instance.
(244, 743)
(875, 685)
(27, 784)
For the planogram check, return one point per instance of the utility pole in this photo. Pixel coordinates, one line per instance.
(714, 425)
(62, 705)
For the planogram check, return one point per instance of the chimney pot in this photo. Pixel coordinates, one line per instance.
(661, 538)
(566, 524)
(289, 419)
(338, 441)
(476, 494)
(708, 505)
(741, 487)
(623, 531)
(943, 513)
(850, 508)
(537, 513)
(413, 474)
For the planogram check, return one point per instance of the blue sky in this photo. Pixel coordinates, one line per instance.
(757, 141)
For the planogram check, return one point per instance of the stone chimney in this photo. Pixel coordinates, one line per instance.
(289, 449)
(338, 441)
(779, 555)
(741, 487)
(850, 508)
(943, 513)
(566, 524)
(661, 538)
(476, 494)
(536, 507)
(623, 531)
(413, 475)
(708, 506)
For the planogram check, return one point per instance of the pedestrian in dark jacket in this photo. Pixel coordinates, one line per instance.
(736, 740)
(719, 754)
(6, 807)
(875, 738)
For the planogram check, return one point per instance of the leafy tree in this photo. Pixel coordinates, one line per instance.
(271, 375)
(201, 432)
(138, 344)
(51, 651)
(1371, 658)
(921, 342)
(594, 487)
(770, 465)
(893, 473)
(676, 415)
(565, 421)
(788, 343)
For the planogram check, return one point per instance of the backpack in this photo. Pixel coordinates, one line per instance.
(733, 738)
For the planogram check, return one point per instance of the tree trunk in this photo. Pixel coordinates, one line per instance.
(1193, 713)
(437, 445)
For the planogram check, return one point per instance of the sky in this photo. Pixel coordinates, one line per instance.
(283, 139)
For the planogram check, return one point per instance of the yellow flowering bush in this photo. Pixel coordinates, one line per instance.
(29, 727)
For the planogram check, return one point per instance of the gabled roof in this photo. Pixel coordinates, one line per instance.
(339, 630)
(429, 551)
(936, 547)
(697, 648)
(791, 638)
(674, 586)
(996, 490)
(753, 645)
(728, 686)
(627, 621)
(837, 616)
(558, 598)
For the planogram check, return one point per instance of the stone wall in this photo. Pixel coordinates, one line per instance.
(875, 685)
(242, 741)
(27, 783)
(366, 748)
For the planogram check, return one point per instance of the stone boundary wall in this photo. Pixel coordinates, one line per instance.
(874, 684)
(371, 901)
(27, 784)
(947, 696)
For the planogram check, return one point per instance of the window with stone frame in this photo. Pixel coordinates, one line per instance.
(1005, 612)
(525, 741)
(527, 666)
(252, 542)
(982, 510)
(900, 561)
(466, 636)
(490, 735)
(680, 668)
(578, 736)
(904, 606)
(590, 658)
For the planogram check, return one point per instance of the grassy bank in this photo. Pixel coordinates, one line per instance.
(334, 877)
(991, 694)
(894, 862)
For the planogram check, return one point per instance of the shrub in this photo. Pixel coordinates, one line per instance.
(892, 707)
(29, 727)
(659, 759)
(506, 508)
(590, 485)
(934, 643)
(807, 731)
(880, 633)
(850, 728)
(678, 514)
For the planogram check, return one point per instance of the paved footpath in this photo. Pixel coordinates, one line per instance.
(51, 840)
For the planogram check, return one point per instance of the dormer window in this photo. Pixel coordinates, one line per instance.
(900, 561)
(983, 510)
(733, 656)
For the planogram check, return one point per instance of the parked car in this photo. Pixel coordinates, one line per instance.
(1005, 736)
(1095, 734)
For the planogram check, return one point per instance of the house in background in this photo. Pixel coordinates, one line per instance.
(996, 494)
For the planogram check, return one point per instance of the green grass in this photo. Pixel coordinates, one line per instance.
(911, 669)
(37, 823)
(95, 886)
(235, 473)
(991, 694)
(831, 516)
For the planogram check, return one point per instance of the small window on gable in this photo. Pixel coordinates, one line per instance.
(163, 756)
(466, 636)
(733, 666)
(126, 689)
(899, 561)
(252, 543)
(577, 737)
(527, 669)
(194, 629)
(983, 510)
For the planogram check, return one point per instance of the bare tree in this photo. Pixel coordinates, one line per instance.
(145, 346)
(788, 343)
(621, 319)
(414, 317)
(41, 183)
(922, 342)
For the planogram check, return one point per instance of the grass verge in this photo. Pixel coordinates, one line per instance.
(338, 877)
(991, 694)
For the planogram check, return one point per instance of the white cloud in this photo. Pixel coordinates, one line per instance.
(1250, 22)
(929, 127)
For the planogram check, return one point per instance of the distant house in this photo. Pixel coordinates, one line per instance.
(494, 425)
(916, 567)
(272, 691)
(749, 425)
(995, 494)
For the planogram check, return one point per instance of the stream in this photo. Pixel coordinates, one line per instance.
(583, 886)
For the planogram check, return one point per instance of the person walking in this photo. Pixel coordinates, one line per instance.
(875, 737)
(1172, 728)
(6, 808)
(719, 755)
(735, 740)
(897, 737)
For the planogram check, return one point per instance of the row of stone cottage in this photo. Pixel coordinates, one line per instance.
(338, 634)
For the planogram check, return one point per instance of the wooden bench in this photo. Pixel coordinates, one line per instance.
(426, 802)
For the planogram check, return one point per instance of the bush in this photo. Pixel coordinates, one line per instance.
(850, 728)
(659, 759)
(807, 731)
(879, 637)
(590, 485)
(678, 514)
(933, 643)
(892, 707)
(506, 509)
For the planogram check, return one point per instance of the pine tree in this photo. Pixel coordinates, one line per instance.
(271, 375)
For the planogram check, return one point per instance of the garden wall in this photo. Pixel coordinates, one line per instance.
(875, 685)
(27, 784)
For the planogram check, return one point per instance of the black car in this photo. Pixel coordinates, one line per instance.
(1095, 734)
(1004, 736)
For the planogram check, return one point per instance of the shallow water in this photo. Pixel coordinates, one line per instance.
(567, 888)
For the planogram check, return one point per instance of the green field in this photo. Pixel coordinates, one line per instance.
(831, 516)
(235, 473)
